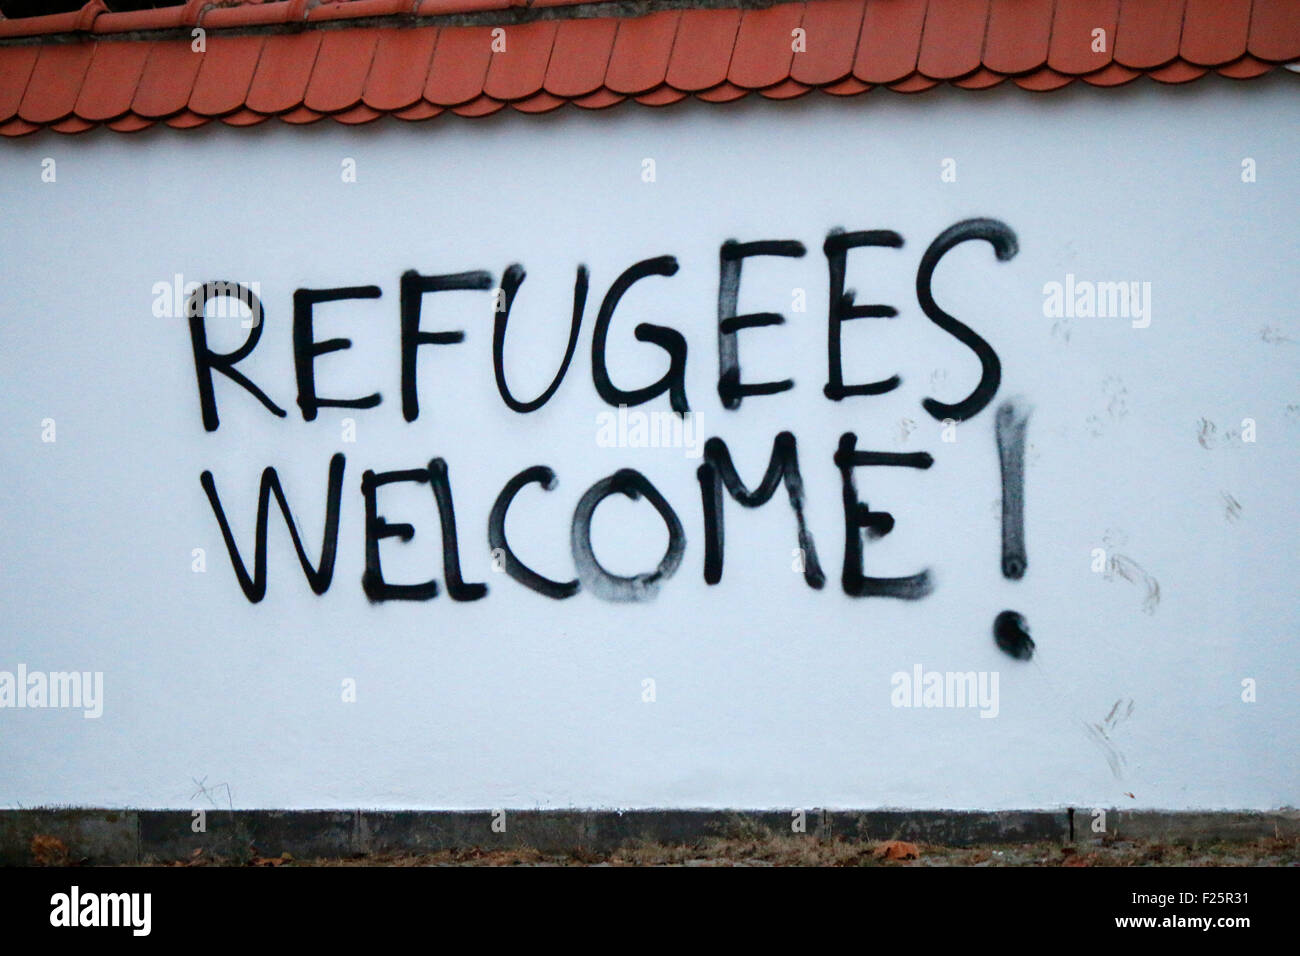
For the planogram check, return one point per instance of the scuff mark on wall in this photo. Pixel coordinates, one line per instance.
(1131, 571)
(1101, 735)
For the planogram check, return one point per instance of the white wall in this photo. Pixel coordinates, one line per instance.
(768, 693)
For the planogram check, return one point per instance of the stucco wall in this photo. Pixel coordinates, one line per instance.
(766, 691)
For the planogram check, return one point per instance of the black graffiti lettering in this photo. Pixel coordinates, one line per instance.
(318, 577)
(1003, 240)
(843, 308)
(860, 519)
(613, 587)
(670, 340)
(1012, 420)
(456, 586)
(206, 360)
(497, 536)
(306, 349)
(378, 528)
(510, 283)
(414, 287)
(719, 471)
(732, 255)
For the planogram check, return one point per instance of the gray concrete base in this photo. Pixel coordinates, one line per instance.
(132, 836)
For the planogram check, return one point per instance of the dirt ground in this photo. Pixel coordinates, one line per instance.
(795, 851)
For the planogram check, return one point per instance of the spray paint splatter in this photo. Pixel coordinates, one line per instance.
(1011, 633)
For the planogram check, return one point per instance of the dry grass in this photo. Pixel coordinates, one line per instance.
(808, 851)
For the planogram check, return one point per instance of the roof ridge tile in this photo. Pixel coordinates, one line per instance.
(302, 60)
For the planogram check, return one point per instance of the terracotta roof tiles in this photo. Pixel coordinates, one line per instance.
(400, 68)
(642, 47)
(831, 30)
(225, 74)
(303, 61)
(702, 49)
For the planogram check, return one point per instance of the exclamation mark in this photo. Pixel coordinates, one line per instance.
(1010, 629)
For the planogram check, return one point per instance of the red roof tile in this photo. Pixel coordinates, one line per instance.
(254, 14)
(639, 60)
(479, 106)
(111, 82)
(146, 19)
(1043, 80)
(702, 49)
(831, 30)
(953, 38)
(55, 82)
(539, 103)
(1215, 31)
(1113, 75)
(338, 77)
(131, 69)
(601, 99)
(890, 40)
(350, 9)
(1148, 33)
(72, 124)
(244, 118)
(580, 56)
(663, 96)
(17, 127)
(786, 91)
(1274, 30)
(400, 68)
(167, 80)
(301, 116)
(1177, 72)
(915, 83)
(1018, 35)
(225, 74)
(16, 65)
(849, 86)
(981, 79)
(1244, 69)
(420, 111)
(1076, 46)
(723, 93)
(459, 66)
(765, 46)
(130, 123)
(283, 71)
(358, 115)
(187, 120)
(518, 71)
